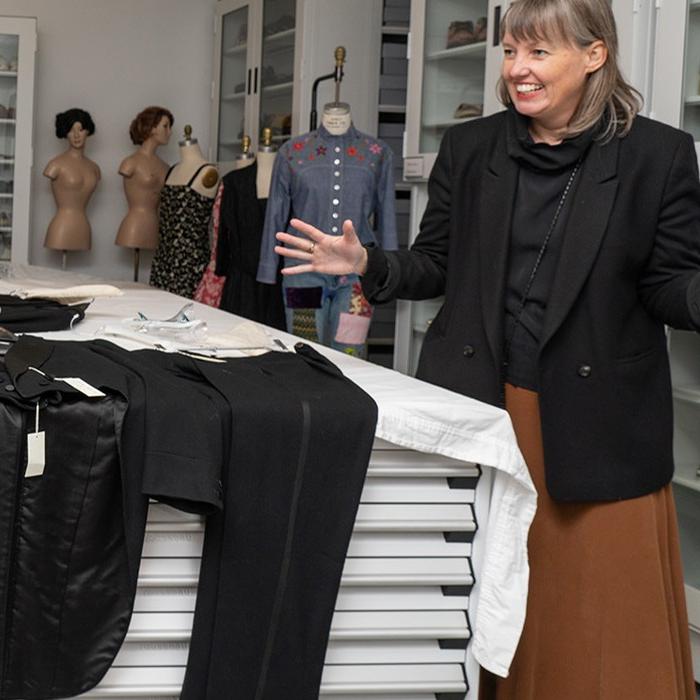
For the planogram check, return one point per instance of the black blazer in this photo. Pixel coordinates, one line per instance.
(628, 266)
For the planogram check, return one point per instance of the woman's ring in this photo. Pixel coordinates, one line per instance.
(311, 248)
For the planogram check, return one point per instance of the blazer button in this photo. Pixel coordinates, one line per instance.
(469, 351)
(9, 387)
(584, 371)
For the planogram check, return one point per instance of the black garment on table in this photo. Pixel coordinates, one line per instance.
(38, 315)
(72, 537)
(543, 174)
(238, 252)
(272, 561)
(183, 238)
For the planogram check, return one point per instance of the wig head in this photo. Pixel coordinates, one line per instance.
(147, 120)
(65, 121)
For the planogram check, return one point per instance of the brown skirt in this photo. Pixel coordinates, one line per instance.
(606, 614)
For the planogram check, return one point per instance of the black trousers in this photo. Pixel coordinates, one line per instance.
(300, 439)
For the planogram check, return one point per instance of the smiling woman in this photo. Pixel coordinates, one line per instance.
(546, 80)
(572, 49)
(564, 234)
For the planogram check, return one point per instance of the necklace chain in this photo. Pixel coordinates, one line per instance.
(540, 255)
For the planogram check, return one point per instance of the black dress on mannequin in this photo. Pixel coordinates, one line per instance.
(238, 252)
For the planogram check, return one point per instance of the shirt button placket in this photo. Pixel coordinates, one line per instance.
(335, 213)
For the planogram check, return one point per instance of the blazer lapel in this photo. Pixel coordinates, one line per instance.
(585, 228)
(497, 195)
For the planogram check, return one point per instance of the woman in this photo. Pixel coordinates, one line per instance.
(144, 176)
(74, 178)
(564, 233)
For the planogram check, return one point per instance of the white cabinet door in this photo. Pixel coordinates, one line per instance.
(254, 73)
(234, 66)
(274, 84)
(17, 54)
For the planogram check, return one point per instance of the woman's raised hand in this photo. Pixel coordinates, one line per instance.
(331, 255)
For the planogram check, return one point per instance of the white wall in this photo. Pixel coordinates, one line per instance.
(113, 58)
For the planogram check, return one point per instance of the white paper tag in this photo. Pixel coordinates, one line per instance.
(36, 454)
(82, 386)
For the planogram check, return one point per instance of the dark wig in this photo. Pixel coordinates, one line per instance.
(147, 120)
(65, 121)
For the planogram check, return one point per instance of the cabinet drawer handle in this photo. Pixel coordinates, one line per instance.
(255, 81)
(249, 72)
(497, 25)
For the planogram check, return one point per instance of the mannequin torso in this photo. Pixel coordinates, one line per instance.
(144, 176)
(73, 180)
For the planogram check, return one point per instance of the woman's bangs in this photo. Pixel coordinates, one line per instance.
(533, 24)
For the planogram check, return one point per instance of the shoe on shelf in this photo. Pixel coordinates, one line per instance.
(480, 29)
(466, 110)
(460, 33)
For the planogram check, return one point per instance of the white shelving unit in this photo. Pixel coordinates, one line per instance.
(391, 128)
(17, 54)
(443, 76)
(684, 347)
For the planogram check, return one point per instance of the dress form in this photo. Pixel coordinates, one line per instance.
(246, 157)
(191, 159)
(144, 176)
(267, 153)
(336, 118)
(74, 178)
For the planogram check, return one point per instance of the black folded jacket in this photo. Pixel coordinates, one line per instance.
(35, 315)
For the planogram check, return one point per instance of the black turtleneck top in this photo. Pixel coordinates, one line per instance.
(543, 173)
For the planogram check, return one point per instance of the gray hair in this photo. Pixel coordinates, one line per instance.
(579, 23)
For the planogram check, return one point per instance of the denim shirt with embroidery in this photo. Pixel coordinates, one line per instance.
(324, 179)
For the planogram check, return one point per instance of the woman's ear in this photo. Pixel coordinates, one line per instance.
(597, 55)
